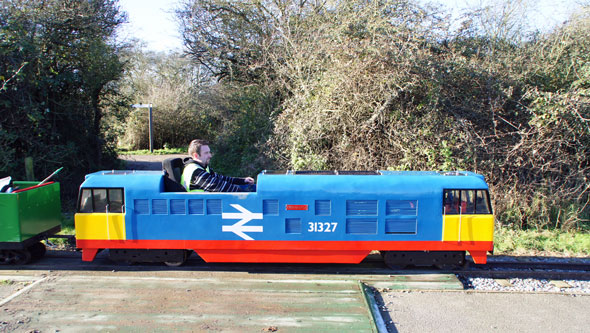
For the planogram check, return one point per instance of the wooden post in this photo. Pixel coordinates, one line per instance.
(30, 175)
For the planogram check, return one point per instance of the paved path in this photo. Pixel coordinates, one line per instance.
(422, 311)
(117, 301)
(147, 162)
(184, 299)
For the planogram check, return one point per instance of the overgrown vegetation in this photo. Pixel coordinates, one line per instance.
(58, 75)
(391, 85)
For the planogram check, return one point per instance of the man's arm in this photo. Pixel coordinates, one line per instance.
(213, 182)
(239, 181)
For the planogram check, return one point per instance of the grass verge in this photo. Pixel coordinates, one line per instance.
(544, 242)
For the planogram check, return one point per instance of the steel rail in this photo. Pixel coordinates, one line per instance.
(500, 269)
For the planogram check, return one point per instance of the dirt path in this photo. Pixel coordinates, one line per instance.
(146, 162)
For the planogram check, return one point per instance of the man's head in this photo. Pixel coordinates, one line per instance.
(200, 152)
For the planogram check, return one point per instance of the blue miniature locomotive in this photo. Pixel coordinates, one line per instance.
(294, 216)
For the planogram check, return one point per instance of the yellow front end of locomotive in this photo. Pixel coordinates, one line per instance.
(468, 228)
(100, 226)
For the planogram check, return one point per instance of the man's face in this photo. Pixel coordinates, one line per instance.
(205, 155)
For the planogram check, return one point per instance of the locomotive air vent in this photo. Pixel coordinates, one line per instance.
(118, 172)
(312, 172)
(452, 173)
(359, 173)
(321, 172)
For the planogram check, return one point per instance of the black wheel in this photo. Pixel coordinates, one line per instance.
(15, 257)
(174, 263)
(37, 250)
(23, 257)
(185, 256)
(4, 257)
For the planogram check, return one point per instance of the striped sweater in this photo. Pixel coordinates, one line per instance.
(209, 181)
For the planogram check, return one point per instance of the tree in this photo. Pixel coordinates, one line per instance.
(62, 64)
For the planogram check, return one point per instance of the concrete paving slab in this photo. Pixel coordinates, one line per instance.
(417, 282)
(8, 288)
(133, 303)
(12, 284)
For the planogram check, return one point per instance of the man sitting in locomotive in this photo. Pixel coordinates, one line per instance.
(197, 176)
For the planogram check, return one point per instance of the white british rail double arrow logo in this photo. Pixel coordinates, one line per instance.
(239, 228)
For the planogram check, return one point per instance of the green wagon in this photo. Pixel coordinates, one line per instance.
(27, 216)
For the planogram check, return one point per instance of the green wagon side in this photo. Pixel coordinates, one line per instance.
(26, 218)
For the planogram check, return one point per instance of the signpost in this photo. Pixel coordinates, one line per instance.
(147, 106)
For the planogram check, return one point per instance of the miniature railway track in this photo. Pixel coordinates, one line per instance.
(529, 269)
(537, 265)
(71, 260)
(372, 265)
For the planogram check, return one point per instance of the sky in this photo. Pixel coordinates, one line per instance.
(153, 21)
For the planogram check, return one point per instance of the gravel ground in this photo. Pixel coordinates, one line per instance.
(529, 285)
(525, 285)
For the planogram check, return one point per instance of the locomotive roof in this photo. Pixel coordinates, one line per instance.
(324, 181)
(138, 179)
(370, 182)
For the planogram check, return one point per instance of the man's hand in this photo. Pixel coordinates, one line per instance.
(249, 180)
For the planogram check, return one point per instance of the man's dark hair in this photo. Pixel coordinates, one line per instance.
(195, 146)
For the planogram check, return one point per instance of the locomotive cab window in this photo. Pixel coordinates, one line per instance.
(101, 200)
(466, 202)
(482, 203)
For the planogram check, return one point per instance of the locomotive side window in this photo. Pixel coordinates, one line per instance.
(99, 196)
(86, 201)
(98, 199)
(482, 203)
(466, 202)
(451, 201)
(115, 200)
